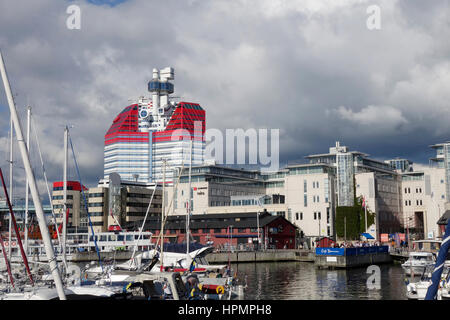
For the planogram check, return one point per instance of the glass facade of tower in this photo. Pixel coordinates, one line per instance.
(345, 184)
(447, 169)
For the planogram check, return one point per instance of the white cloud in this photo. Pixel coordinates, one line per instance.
(374, 118)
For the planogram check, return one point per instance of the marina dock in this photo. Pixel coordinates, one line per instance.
(351, 257)
(321, 257)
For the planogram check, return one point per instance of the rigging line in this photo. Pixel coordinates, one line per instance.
(19, 240)
(34, 129)
(85, 202)
(163, 216)
(143, 223)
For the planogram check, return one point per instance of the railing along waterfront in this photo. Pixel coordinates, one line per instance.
(351, 251)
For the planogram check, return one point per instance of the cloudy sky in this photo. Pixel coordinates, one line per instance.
(311, 68)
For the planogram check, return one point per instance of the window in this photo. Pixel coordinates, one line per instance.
(319, 215)
(305, 189)
(296, 216)
(305, 200)
(301, 215)
(315, 215)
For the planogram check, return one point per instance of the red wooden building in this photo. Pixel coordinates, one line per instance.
(325, 242)
(218, 230)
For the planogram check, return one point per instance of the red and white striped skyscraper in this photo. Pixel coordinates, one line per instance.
(151, 130)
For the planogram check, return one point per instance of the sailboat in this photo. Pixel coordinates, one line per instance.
(33, 186)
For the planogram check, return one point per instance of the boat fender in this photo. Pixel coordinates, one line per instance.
(220, 290)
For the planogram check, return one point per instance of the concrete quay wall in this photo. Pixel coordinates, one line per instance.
(352, 261)
(260, 256)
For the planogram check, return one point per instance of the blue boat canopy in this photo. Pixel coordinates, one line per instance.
(367, 235)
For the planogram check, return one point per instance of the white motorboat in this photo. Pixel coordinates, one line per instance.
(417, 263)
(418, 290)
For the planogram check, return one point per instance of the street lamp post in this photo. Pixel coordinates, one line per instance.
(257, 220)
(257, 226)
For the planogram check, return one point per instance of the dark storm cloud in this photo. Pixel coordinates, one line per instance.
(310, 68)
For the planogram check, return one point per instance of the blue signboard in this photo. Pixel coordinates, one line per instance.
(330, 251)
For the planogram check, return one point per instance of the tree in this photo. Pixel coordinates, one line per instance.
(350, 220)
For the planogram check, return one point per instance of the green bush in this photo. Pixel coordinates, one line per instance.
(347, 222)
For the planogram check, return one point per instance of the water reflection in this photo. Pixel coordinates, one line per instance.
(303, 281)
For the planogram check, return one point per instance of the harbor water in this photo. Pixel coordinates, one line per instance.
(303, 281)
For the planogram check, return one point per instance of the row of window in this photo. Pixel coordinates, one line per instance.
(61, 206)
(418, 190)
(62, 188)
(95, 204)
(408, 202)
(96, 195)
(219, 203)
(69, 196)
(143, 205)
(245, 202)
(208, 231)
(317, 215)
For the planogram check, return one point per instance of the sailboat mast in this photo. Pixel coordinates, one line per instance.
(11, 149)
(33, 186)
(163, 214)
(26, 181)
(64, 238)
(188, 216)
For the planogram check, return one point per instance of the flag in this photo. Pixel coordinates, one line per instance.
(364, 202)
(193, 265)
